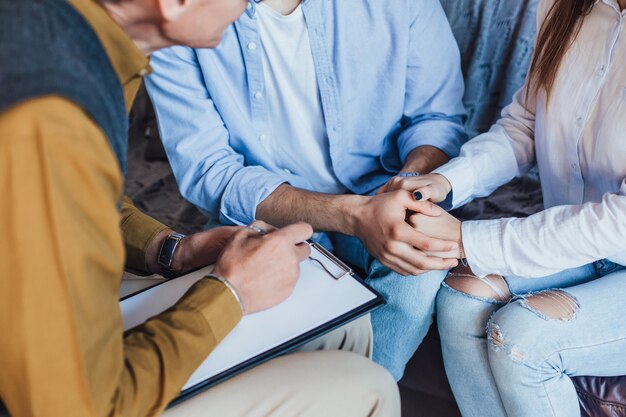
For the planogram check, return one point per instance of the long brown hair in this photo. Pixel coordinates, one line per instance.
(557, 34)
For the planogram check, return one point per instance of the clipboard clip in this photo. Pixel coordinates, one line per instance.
(344, 269)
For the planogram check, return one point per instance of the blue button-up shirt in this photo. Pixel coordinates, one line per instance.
(389, 80)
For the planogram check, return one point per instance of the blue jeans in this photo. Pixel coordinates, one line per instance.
(400, 326)
(510, 359)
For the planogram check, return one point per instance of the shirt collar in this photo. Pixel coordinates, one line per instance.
(612, 3)
(127, 60)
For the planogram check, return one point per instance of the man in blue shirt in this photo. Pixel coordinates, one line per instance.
(302, 113)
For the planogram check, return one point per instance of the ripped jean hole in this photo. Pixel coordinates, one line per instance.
(470, 296)
(497, 344)
(491, 288)
(552, 305)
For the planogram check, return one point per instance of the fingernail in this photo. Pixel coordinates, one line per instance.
(418, 196)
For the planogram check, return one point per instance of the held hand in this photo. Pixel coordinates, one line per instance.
(264, 268)
(381, 225)
(433, 187)
(445, 226)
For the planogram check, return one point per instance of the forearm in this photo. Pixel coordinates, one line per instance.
(550, 241)
(325, 212)
(161, 354)
(142, 235)
(424, 159)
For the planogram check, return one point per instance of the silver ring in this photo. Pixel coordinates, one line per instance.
(257, 229)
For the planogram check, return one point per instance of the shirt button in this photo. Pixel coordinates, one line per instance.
(574, 166)
(287, 171)
(251, 46)
(262, 137)
(249, 6)
(579, 121)
(258, 95)
(143, 72)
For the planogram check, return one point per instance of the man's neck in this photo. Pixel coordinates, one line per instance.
(142, 29)
(284, 7)
(622, 4)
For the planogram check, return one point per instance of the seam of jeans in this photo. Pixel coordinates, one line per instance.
(545, 389)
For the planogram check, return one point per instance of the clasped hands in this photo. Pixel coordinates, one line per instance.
(426, 239)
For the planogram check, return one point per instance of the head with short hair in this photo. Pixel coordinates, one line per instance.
(156, 24)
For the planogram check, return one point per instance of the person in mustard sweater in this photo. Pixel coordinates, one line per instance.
(69, 73)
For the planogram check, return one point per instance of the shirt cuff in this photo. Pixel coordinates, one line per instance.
(446, 135)
(482, 243)
(216, 303)
(461, 176)
(246, 190)
(139, 230)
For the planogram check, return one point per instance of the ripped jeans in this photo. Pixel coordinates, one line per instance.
(511, 345)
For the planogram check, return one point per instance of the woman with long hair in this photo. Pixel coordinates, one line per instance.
(542, 298)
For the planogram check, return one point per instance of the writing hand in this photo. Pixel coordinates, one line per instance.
(264, 267)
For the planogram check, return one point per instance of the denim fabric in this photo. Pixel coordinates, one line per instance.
(400, 326)
(496, 39)
(527, 370)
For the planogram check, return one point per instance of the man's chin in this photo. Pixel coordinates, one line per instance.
(205, 43)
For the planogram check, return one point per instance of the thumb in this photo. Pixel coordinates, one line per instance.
(427, 208)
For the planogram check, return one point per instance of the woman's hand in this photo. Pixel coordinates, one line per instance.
(433, 187)
(442, 227)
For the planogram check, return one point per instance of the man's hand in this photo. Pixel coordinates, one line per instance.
(264, 268)
(201, 249)
(445, 226)
(193, 252)
(433, 187)
(422, 160)
(380, 223)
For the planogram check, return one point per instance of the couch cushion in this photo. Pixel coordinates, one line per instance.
(602, 397)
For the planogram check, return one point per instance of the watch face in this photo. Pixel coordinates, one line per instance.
(168, 248)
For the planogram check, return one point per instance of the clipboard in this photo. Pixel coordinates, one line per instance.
(328, 295)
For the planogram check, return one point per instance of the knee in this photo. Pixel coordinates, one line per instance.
(552, 305)
(379, 391)
(465, 302)
(523, 329)
(368, 387)
(492, 288)
(410, 297)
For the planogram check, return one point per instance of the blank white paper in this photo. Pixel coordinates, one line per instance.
(316, 300)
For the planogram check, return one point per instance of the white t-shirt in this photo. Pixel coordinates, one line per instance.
(298, 140)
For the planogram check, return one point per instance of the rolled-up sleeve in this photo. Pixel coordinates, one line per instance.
(209, 172)
(434, 112)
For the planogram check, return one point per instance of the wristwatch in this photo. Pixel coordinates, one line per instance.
(166, 254)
